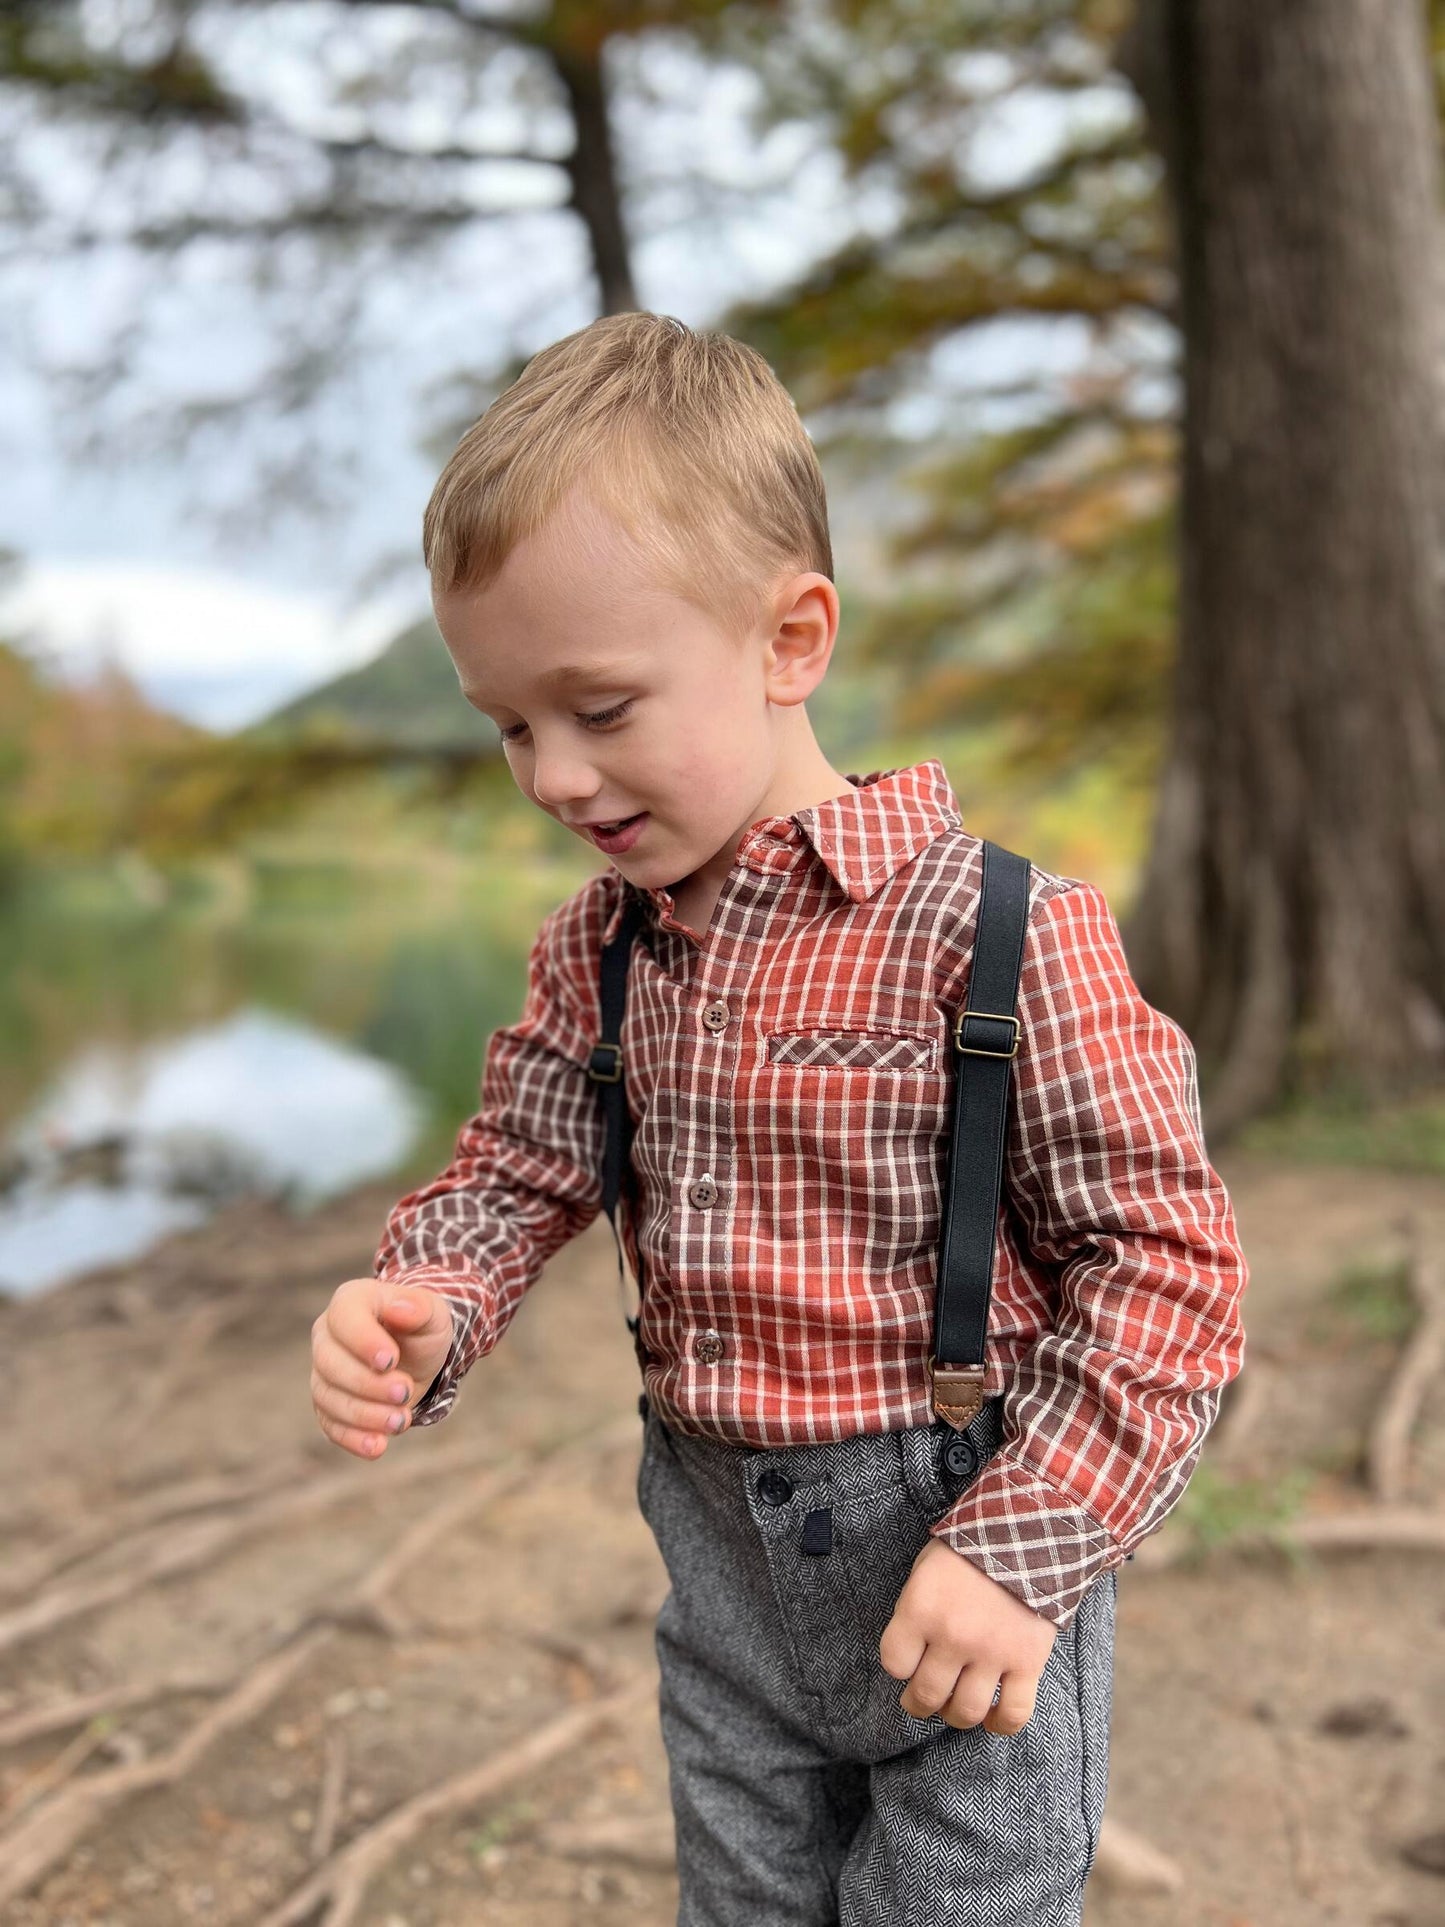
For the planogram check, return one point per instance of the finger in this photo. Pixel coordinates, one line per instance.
(1015, 1705)
(933, 1681)
(353, 1321)
(356, 1414)
(410, 1310)
(365, 1445)
(349, 1374)
(972, 1697)
(901, 1647)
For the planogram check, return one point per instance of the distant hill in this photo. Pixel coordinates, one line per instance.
(407, 696)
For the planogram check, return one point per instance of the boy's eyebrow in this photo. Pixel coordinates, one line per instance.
(580, 675)
(587, 675)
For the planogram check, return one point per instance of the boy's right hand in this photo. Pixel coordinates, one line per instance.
(359, 1400)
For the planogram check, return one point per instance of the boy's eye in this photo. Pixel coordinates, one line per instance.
(598, 719)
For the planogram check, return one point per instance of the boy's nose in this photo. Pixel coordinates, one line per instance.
(563, 783)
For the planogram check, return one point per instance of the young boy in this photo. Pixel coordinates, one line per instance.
(631, 569)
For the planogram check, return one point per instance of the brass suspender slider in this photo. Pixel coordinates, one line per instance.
(986, 1017)
(612, 1076)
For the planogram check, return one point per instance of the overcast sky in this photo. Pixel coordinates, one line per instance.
(123, 560)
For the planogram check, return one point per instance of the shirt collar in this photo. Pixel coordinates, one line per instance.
(864, 836)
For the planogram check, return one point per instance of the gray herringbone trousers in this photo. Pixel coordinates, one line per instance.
(804, 1795)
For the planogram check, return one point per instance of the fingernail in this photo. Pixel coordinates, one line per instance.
(398, 1394)
(385, 1360)
(396, 1420)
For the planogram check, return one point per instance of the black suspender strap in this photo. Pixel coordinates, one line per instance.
(606, 1070)
(986, 1040)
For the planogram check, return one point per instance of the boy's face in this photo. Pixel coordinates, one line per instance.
(615, 698)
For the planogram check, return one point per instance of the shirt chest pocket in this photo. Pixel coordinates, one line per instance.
(823, 1047)
(848, 1132)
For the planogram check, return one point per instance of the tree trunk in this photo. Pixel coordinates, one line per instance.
(594, 175)
(1292, 916)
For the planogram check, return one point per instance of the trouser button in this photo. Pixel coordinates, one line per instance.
(960, 1456)
(775, 1488)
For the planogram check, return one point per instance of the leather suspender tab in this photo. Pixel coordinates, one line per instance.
(957, 1392)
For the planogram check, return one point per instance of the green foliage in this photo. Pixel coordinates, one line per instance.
(1061, 627)
(1036, 583)
(1058, 603)
(46, 48)
(72, 758)
(1373, 1297)
(500, 1824)
(1218, 1511)
(1343, 1127)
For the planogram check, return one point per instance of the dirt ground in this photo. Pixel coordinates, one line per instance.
(310, 1645)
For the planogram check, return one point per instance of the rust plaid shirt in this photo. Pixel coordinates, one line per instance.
(790, 1079)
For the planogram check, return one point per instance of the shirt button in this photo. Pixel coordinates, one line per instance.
(704, 1192)
(708, 1347)
(774, 1487)
(716, 1015)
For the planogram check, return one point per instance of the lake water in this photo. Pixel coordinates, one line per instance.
(295, 1038)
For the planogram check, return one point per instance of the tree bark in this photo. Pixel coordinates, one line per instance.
(593, 174)
(1292, 915)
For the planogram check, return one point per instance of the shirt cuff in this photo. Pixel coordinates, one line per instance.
(1030, 1538)
(466, 1300)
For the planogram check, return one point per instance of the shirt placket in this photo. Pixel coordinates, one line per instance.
(702, 1215)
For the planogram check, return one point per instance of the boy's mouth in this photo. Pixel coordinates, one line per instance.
(619, 836)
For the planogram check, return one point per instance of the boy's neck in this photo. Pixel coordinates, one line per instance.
(695, 896)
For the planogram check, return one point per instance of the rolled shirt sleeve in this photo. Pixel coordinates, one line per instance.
(1107, 1173)
(524, 1176)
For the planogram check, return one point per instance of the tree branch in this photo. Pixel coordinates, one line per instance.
(388, 150)
(320, 218)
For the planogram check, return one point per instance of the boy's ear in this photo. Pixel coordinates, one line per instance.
(805, 629)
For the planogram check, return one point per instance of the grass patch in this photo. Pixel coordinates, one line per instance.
(1372, 1296)
(498, 1827)
(1405, 1136)
(1218, 1510)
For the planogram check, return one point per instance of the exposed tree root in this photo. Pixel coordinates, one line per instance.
(203, 1539)
(1388, 1523)
(1361, 1529)
(1303, 1860)
(341, 1884)
(27, 1572)
(151, 1391)
(77, 1709)
(1419, 1364)
(30, 1849)
(1127, 1861)
(328, 1805)
(1250, 1397)
(645, 1840)
(53, 1773)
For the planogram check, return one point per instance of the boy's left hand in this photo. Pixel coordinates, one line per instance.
(955, 1635)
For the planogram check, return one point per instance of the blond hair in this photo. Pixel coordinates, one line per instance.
(688, 438)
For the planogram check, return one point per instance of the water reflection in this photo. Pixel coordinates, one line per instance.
(130, 1143)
